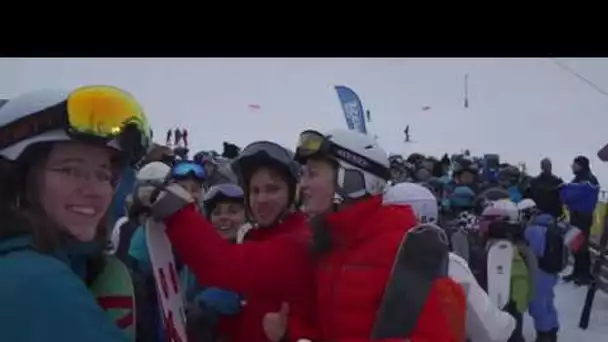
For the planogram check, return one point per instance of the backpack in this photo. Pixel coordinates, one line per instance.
(555, 256)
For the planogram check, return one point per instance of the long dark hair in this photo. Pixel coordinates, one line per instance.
(22, 214)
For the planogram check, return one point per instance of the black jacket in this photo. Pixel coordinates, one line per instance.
(544, 190)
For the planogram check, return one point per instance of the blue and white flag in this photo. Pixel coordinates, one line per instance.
(353, 109)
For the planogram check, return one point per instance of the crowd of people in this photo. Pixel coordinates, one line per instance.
(334, 240)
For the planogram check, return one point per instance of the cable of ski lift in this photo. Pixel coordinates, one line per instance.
(579, 76)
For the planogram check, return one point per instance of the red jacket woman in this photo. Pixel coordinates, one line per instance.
(357, 239)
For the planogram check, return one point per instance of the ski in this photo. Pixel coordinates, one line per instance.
(410, 281)
(595, 275)
(500, 259)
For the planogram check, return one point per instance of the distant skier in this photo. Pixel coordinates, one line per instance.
(406, 131)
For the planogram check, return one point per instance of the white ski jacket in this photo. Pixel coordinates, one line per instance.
(484, 322)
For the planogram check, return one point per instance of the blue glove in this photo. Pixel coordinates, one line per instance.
(222, 301)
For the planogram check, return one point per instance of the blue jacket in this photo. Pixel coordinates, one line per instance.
(580, 197)
(542, 306)
(44, 299)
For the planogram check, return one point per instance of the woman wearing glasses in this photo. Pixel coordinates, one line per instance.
(60, 160)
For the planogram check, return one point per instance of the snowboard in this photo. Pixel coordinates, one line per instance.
(500, 259)
(114, 292)
(595, 274)
(167, 281)
(410, 281)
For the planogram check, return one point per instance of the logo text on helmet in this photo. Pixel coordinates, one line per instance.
(353, 158)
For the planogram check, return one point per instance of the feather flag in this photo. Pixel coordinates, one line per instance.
(352, 108)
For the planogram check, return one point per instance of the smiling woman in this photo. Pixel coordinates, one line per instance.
(58, 178)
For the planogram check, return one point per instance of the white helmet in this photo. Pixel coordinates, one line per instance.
(30, 104)
(526, 204)
(421, 199)
(502, 208)
(154, 172)
(363, 164)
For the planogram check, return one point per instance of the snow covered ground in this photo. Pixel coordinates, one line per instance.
(569, 301)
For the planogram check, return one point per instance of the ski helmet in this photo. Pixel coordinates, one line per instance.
(153, 173)
(422, 200)
(363, 166)
(527, 209)
(526, 204)
(222, 193)
(100, 114)
(502, 208)
(266, 154)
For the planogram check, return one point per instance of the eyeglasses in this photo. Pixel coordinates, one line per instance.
(77, 173)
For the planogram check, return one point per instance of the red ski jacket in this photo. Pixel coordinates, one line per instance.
(352, 278)
(267, 272)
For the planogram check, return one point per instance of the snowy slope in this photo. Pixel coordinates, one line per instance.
(569, 300)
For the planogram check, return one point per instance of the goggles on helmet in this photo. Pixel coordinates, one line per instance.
(312, 143)
(98, 112)
(227, 191)
(187, 169)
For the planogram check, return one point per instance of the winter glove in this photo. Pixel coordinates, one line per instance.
(165, 201)
(223, 301)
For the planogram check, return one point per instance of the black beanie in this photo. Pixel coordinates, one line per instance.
(583, 162)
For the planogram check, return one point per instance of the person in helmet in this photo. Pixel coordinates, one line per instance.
(210, 307)
(484, 321)
(399, 169)
(188, 175)
(544, 237)
(61, 154)
(224, 204)
(508, 179)
(500, 220)
(344, 176)
(191, 176)
(272, 268)
(218, 171)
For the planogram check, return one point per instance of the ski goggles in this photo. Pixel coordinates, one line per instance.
(228, 191)
(92, 111)
(187, 169)
(314, 144)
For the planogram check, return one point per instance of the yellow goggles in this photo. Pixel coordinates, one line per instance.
(310, 143)
(104, 111)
